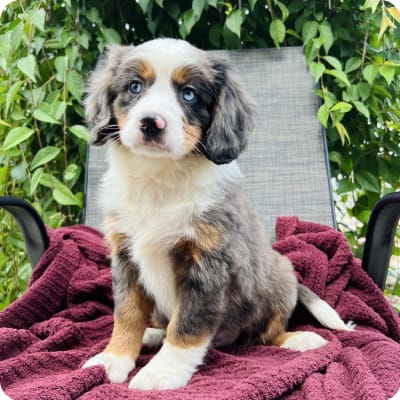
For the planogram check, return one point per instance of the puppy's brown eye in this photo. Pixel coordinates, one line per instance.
(188, 95)
(135, 87)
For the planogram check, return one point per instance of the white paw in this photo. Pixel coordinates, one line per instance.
(170, 368)
(303, 341)
(156, 377)
(117, 367)
(153, 338)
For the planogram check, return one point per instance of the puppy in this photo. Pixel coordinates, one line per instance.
(188, 251)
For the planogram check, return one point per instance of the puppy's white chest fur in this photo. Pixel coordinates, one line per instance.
(154, 202)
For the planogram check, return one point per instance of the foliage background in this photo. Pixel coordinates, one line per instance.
(47, 48)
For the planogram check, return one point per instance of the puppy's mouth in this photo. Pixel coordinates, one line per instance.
(151, 146)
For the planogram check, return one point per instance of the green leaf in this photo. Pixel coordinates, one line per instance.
(334, 62)
(16, 136)
(44, 156)
(309, 31)
(342, 107)
(283, 9)
(323, 115)
(293, 33)
(61, 64)
(367, 181)
(93, 15)
(35, 180)
(198, 7)
(38, 18)
(370, 71)
(343, 134)
(75, 84)
(42, 114)
(340, 75)
(12, 93)
(352, 64)
(252, 4)
(326, 35)
(27, 65)
(387, 72)
(64, 196)
(234, 22)
(364, 89)
(277, 31)
(71, 172)
(16, 36)
(214, 35)
(160, 3)
(189, 21)
(372, 4)
(361, 108)
(145, 5)
(317, 69)
(80, 132)
(111, 36)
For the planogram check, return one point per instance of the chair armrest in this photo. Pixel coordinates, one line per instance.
(32, 226)
(380, 234)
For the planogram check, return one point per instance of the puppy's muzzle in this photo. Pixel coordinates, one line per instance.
(152, 127)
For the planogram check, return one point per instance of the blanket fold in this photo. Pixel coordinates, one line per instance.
(66, 316)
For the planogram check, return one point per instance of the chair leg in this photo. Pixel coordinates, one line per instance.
(32, 226)
(379, 240)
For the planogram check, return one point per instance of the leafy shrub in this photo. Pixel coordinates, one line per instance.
(47, 47)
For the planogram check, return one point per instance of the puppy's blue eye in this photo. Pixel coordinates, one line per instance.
(135, 87)
(188, 95)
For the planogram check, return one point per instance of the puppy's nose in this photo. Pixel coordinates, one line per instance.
(151, 126)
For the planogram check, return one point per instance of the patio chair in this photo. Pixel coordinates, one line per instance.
(286, 166)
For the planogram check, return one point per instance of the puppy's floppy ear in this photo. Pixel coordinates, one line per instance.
(232, 121)
(99, 94)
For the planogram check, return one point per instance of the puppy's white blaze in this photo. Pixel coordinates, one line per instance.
(159, 99)
(117, 367)
(170, 368)
(153, 338)
(302, 341)
(328, 316)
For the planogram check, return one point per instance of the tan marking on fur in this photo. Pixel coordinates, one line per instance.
(207, 236)
(116, 242)
(181, 341)
(279, 340)
(155, 323)
(120, 116)
(181, 75)
(193, 136)
(187, 250)
(146, 71)
(130, 324)
(274, 331)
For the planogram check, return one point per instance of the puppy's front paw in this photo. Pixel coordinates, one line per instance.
(155, 376)
(117, 367)
(170, 368)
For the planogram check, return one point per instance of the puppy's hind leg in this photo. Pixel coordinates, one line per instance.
(275, 334)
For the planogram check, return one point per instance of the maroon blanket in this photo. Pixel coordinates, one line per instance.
(66, 316)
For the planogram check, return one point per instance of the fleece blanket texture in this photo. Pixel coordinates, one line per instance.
(66, 316)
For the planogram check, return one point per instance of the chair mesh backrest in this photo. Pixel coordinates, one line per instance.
(285, 166)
